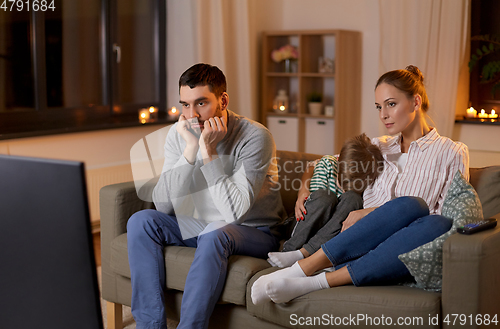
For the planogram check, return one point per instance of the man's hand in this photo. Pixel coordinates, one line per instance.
(354, 217)
(184, 129)
(213, 132)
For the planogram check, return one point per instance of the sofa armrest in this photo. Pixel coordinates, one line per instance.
(117, 203)
(471, 274)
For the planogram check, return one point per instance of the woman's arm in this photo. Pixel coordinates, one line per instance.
(304, 192)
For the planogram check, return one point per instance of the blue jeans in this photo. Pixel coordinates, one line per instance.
(370, 248)
(149, 231)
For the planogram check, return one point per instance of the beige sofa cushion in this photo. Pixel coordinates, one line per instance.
(347, 302)
(178, 261)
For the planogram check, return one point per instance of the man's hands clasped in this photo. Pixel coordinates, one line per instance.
(214, 130)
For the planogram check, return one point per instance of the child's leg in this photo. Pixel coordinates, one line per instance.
(320, 206)
(349, 201)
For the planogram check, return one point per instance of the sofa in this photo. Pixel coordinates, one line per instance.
(471, 273)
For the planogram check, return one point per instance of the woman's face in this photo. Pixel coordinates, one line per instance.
(397, 112)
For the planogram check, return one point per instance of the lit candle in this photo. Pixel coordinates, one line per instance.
(483, 114)
(471, 113)
(153, 113)
(144, 115)
(493, 115)
(173, 113)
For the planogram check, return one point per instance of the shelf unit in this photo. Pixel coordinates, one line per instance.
(341, 88)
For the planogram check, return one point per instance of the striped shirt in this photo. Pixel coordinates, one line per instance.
(325, 175)
(432, 162)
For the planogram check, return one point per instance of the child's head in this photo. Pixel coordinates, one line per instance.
(360, 163)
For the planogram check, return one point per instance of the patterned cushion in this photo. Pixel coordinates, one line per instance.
(425, 262)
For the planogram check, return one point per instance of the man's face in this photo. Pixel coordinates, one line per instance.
(199, 105)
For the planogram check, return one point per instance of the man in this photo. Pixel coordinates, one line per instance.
(217, 193)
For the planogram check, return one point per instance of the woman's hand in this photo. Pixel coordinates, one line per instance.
(300, 209)
(354, 217)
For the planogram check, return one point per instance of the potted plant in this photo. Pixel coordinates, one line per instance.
(314, 102)
(490, 72)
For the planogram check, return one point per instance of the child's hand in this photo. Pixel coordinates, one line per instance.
(300, 209)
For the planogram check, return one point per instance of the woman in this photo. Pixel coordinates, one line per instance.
(401, 209)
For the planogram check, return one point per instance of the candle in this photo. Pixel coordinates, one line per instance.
(493, 115)
(483, 114)
(144, 115)
(173, 113)
(153, 113)
(280, 104)
(471, 113)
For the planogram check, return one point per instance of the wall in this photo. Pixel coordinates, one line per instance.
(482, 140)
(358, 15)
(363, 16)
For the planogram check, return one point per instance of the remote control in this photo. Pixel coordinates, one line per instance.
(479, 226)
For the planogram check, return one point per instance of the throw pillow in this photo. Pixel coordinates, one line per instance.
(425, 263)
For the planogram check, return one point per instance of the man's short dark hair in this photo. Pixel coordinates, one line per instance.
(204, 75)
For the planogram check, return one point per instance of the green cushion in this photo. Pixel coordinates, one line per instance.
(425, 263)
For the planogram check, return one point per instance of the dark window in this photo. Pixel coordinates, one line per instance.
(88, 64)
(484, 20)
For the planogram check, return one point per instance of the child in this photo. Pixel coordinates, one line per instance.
(328, 205)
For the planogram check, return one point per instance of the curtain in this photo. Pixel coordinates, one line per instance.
(433, 35)
(217, 32)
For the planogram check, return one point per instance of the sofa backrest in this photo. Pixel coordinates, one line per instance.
(292, 165)
(486, 182)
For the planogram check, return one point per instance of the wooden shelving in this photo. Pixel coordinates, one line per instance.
(341, 88)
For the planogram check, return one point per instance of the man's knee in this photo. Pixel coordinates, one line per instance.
(140, 221)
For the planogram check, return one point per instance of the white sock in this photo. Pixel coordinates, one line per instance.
(271, 262)
(259, 293)
(286, 289)
(284, 259)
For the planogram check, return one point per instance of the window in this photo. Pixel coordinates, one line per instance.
(484, 20)
(87, 64)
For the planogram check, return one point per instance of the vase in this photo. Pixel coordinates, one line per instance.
(289, 65)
